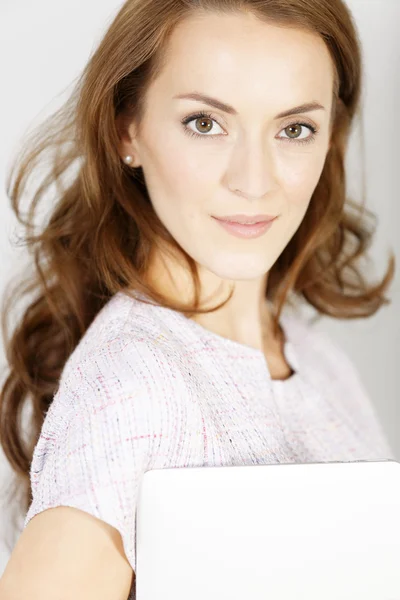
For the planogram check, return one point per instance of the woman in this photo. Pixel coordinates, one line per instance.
(159, 335)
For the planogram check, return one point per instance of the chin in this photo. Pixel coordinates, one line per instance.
(239, 268)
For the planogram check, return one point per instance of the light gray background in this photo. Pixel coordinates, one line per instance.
(43, 47)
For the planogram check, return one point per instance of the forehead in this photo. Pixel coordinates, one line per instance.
(237, 57)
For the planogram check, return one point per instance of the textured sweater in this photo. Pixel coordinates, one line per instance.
(147, 388)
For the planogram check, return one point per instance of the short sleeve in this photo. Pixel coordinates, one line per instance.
(95, 445)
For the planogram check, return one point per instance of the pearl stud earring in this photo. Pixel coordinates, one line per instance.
(128, 159)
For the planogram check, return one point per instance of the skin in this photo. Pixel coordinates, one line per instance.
(250, 162)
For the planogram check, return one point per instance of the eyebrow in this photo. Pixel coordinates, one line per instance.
(308, 107)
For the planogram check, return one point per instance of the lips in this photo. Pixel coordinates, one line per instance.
(246, 219)
(246, 231)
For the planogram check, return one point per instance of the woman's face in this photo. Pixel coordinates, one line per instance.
(247, 160)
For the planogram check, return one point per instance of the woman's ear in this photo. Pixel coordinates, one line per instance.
(127, 142)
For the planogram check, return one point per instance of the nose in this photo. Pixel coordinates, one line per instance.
(251, 170)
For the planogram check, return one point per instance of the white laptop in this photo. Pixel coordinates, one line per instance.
(317, 531)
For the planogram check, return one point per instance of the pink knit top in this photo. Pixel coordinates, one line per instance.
(147, 388)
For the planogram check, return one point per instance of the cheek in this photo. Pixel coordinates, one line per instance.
(184, 192)
(179, 189)
(299, 180)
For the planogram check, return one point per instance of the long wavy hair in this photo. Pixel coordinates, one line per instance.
(102, 227)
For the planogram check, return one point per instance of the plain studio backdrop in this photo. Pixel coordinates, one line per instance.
(43, 48)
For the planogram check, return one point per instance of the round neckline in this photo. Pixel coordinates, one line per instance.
(227, 343)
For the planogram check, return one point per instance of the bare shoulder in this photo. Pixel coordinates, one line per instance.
(67, 553)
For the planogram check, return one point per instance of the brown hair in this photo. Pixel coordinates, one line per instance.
(102, 227)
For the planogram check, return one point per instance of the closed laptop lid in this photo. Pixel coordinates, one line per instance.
(315, 531)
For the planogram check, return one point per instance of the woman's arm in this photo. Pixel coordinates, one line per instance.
(65, 553)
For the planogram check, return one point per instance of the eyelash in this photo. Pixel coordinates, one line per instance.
(203, 114)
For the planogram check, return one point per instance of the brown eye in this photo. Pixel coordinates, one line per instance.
(205, 124)
(296, 129)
